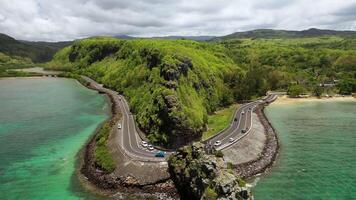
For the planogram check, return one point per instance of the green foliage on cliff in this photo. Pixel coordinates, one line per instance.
(102, 156)
(171, 86)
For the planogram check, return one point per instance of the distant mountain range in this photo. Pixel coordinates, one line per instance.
(275, 34)
(196, 38)
(44, 51)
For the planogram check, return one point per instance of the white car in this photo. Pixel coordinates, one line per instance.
(243, 112)
(144, 144)
(119, 126)
(231, 139)
(150, 147)
(217, 143)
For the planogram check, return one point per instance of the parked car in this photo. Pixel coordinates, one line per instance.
(119, 126)
(231, 139)
(144, 144)
(150, 147)
(160, 154)
(217, 143)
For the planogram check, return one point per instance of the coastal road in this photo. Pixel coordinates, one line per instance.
(130, 140)
(242, 120)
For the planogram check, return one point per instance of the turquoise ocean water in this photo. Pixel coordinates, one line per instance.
(44, 123)
(318, 152)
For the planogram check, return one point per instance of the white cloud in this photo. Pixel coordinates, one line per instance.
(54, 20)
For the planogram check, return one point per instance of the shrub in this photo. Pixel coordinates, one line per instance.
(219, 154)
(102, 156)
(210, 194)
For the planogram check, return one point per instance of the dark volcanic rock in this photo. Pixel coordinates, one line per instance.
(201, 176)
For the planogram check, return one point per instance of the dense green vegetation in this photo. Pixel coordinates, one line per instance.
(171, 86)
(12, 62)
(7, 61)
(102, 156)
(294, 65)
(36, 51)
(218, 121)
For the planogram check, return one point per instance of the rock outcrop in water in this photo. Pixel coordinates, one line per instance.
(201, 176)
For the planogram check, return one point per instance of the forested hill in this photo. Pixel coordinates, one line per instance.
(36, 51)
(283, 34)
(171, 86)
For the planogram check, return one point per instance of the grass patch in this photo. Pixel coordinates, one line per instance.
(219, 120)
(102, 156)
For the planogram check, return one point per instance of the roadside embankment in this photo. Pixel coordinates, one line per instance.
(129, 176)
(267, 156)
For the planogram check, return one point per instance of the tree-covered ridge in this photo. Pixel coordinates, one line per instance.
(286, 34)
(36, 51)
(171, 86)
(295, 65)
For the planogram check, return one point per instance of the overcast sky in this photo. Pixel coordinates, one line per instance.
(54, 20)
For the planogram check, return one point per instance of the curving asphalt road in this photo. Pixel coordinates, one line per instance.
(130, 141)
(242, 120)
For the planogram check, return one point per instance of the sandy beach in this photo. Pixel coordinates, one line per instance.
(286, 100)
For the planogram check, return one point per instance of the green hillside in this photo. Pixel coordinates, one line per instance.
(36, 51)
(171, 86)
(294, 64)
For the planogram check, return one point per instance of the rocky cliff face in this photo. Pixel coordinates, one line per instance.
(201, 176)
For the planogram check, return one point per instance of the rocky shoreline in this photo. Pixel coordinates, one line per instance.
(269, 153)
(122, 186)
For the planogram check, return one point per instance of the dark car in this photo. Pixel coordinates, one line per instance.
(243, 131)
(160, 154)
(235, 119)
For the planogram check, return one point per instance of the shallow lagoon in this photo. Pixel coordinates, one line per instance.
(318, 152)
(44, 122)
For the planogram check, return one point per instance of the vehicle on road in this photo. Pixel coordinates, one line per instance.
(231, 139)
(243, 112)
(243, 131)
(119, 126)
(150, 147)
(160, 154)
(235, 119)
(217, 143)
(144, 144)
(120, 98)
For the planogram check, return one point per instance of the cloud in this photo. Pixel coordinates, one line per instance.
(54, 20)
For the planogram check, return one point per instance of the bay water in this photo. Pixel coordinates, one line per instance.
(44, 122)
(317, 158)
